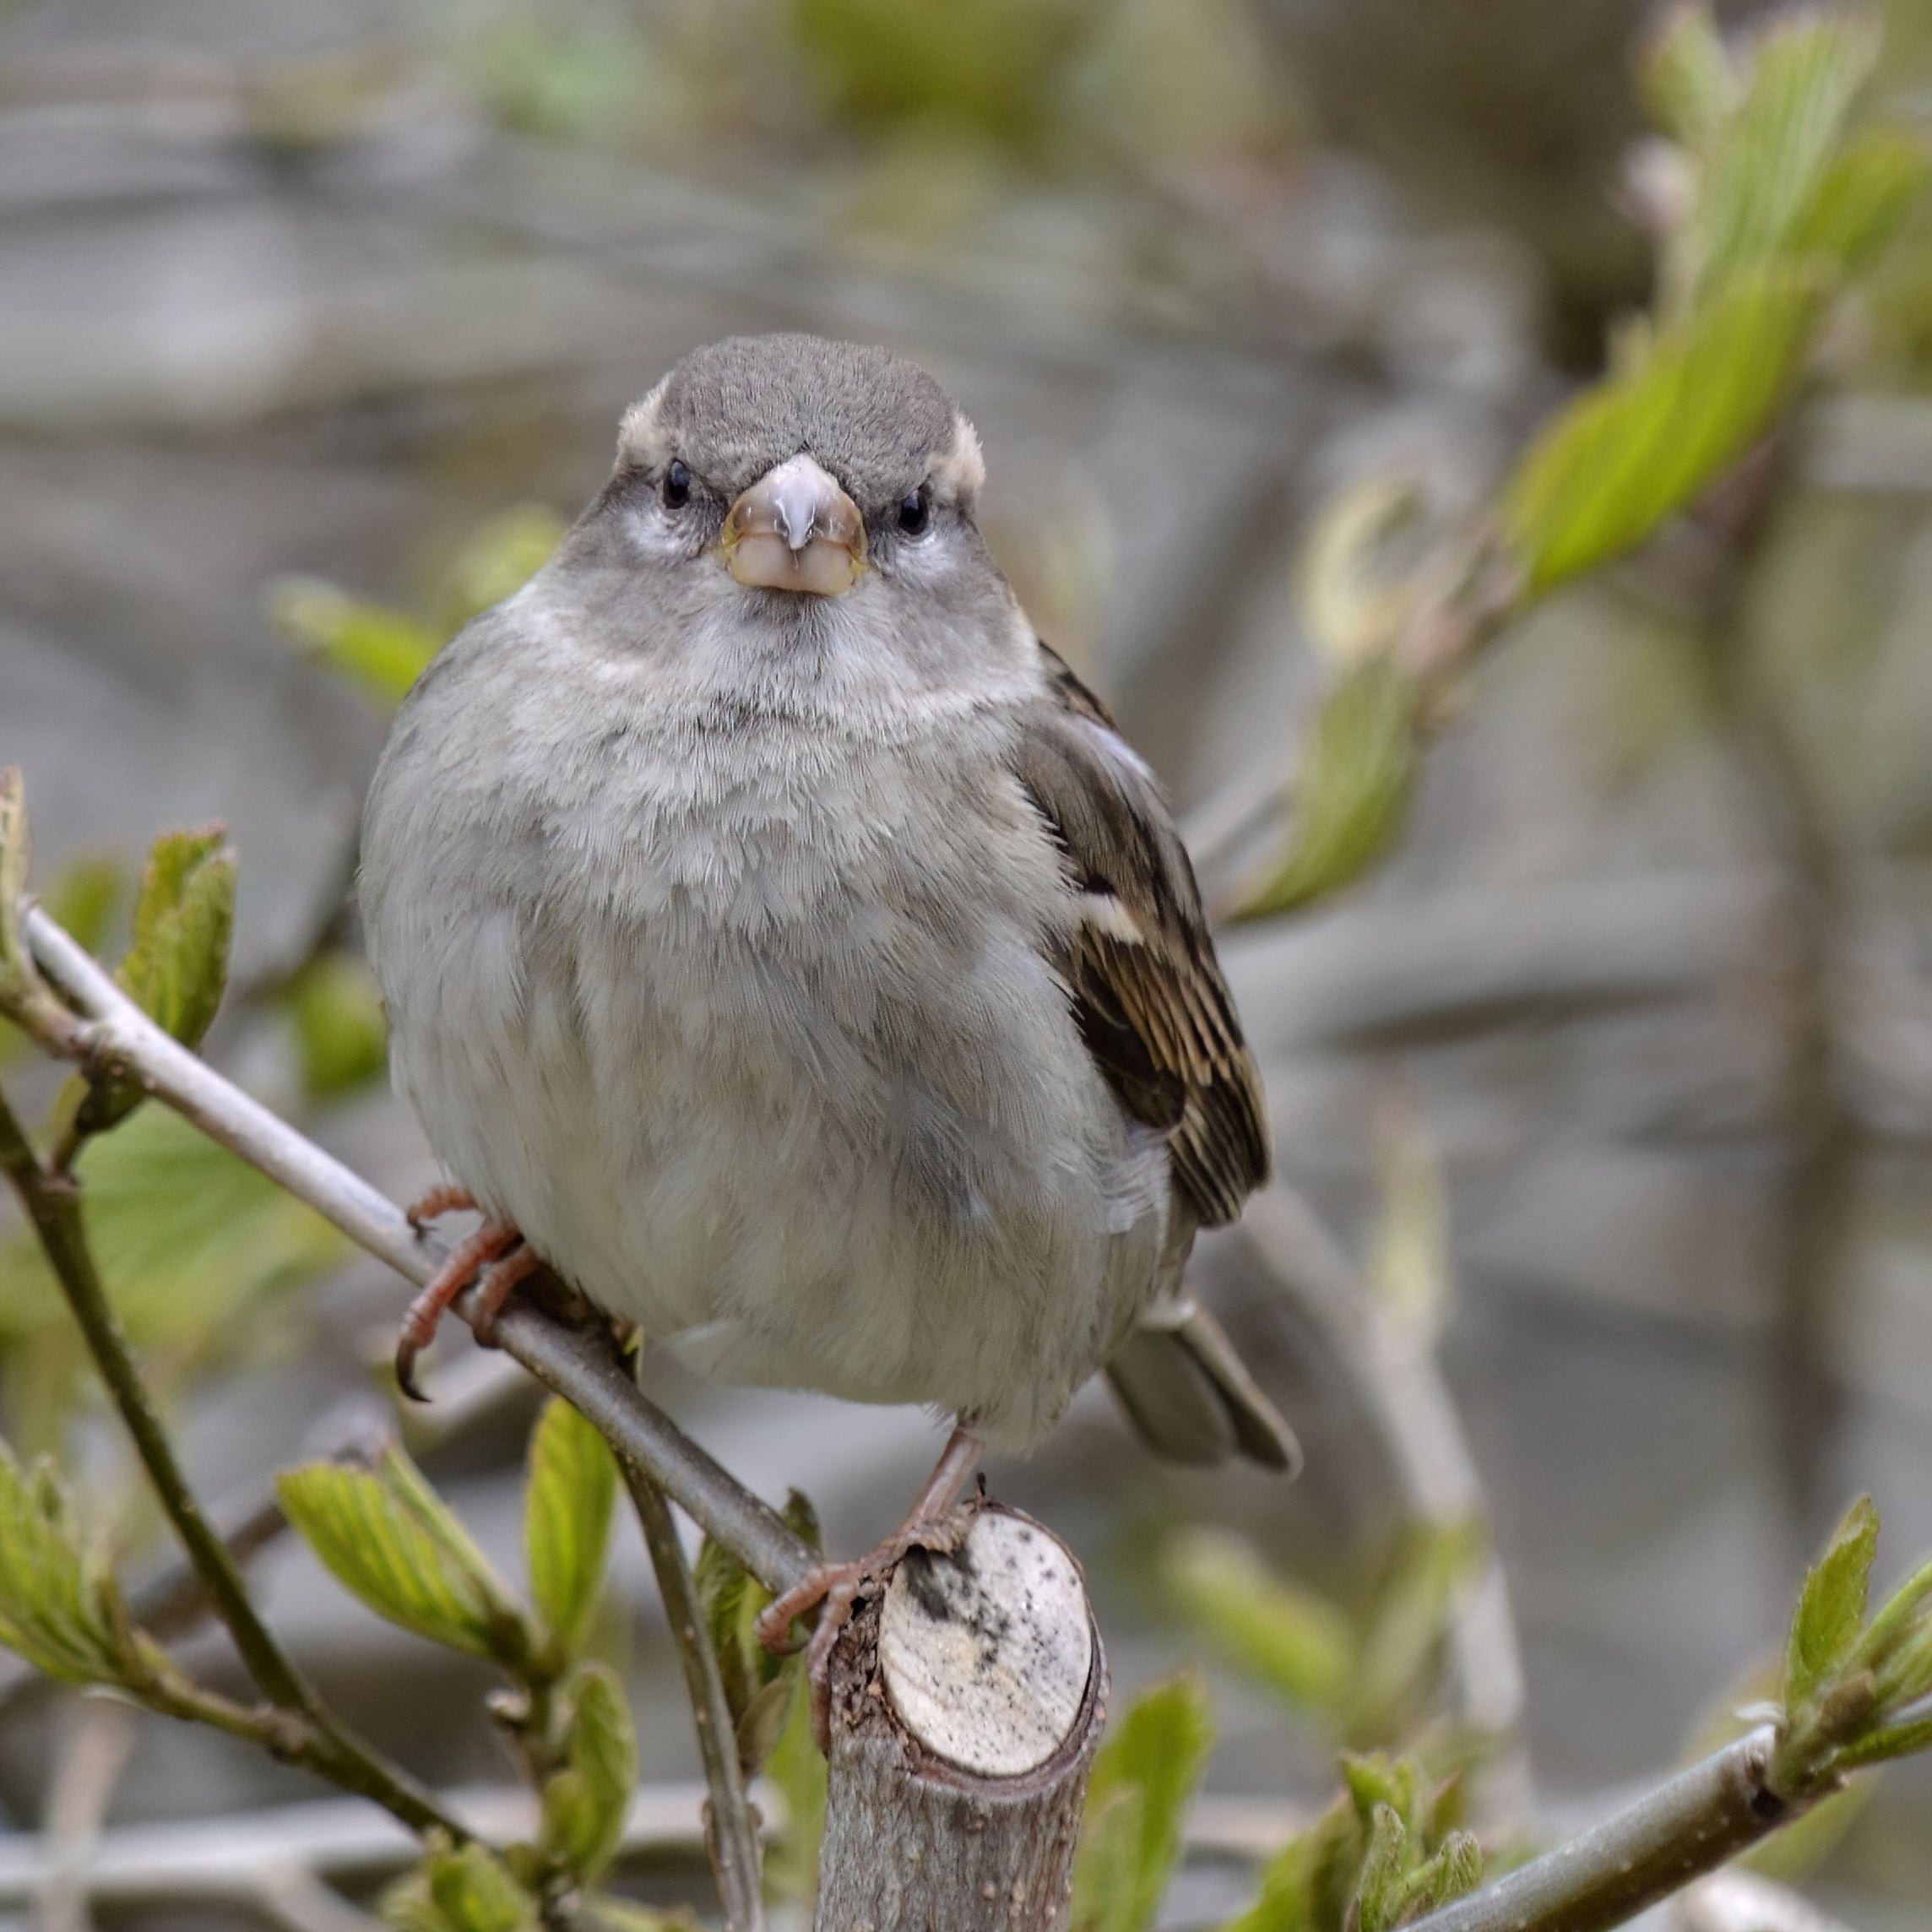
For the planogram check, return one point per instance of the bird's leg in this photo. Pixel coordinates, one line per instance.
(835, 1585)
(497, 1249)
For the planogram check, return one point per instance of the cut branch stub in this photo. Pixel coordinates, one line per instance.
(968, 1697)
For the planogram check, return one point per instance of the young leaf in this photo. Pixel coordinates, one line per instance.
(584, 1803)
(473, 1890)
(566, 1519)
(1405, 1632)
(1832, 1607)
(1296, 1642)
(1380, 1893)
(1352, 790)
(1689, 82)
(1890, 1741)
(385, 1534)
(384, 651)
(499, 558)
(58, 1610)
(1863, 199)
(1632, 450)
(1143, 1778)
(184, 917)
(1765, 168)
(797, 1768)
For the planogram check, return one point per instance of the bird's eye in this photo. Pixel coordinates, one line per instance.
(676, 485)
(915, 511)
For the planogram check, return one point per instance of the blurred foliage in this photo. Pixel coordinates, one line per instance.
(384, 650)
(1766, 200)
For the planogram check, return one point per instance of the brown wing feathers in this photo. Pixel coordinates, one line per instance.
(1148, 994)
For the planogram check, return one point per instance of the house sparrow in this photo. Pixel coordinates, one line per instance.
(782, 943)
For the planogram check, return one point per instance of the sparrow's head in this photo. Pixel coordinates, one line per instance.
(792, 464)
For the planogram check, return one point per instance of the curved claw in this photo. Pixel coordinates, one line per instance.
(489, 1249)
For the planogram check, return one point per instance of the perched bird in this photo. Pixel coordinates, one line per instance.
(782, 943)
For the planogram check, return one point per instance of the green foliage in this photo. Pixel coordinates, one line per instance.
(177, 969)
(342, 1035)
(1352, 792)
(797, 1768)
(1297, 1643)
(1144, 1776)
(387, 1536)
(1831, 1607)
(383, 650)
(758, 1686)
(59, 1608)
(1628, 454)
(566, 1521)
(1387, 1852)
(465, 1888)
(585, 1800)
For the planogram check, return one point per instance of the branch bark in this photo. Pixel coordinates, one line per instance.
(968, 1692)
(730, 1825)
(1651, 1848)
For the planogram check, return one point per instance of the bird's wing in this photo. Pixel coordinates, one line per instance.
(1148, 992)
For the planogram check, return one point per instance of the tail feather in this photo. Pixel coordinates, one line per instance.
(1190, 1396)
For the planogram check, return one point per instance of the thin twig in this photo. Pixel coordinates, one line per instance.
(304, 1730)
(1395, 1373)
(731, 1826)
(1651, 1848)
(116, 1038)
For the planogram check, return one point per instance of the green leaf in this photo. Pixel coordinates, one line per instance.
(1832, 1607)
(184, 917)
(386, 1535)
(1863, 199)
(186, 1236)
(1398, 1650)
(473, 1890)
(1380, 1893)
(797, 1768)
(1766, 168)
(1634, 450)
(1306, 1886)
(566, 1519)
(499, 558)
(383, 650)
(342, 1034)
(1888, 1741)
(584, 1801)
(1351, 794)
(1144, 1776)
(1299, 1644)
(58, 1609)
(1690, 83)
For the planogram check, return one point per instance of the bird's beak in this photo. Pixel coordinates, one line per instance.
(795, 530)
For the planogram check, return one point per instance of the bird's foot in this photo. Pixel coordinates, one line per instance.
(446, 1198)
(933, 1522)
(495, 1258)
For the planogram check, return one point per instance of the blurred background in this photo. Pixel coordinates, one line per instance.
(315, 325)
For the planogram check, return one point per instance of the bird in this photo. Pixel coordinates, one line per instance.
(781, 943)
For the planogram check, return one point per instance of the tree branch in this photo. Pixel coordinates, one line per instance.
(314, 1739)
(731, 1826)
(1651, 1848)
(116, 1040)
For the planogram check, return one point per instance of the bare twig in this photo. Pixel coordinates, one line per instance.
(115, 1038)
(1397, 1378)
(301, 1728)
(1651, 1848)
(731, 1826)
